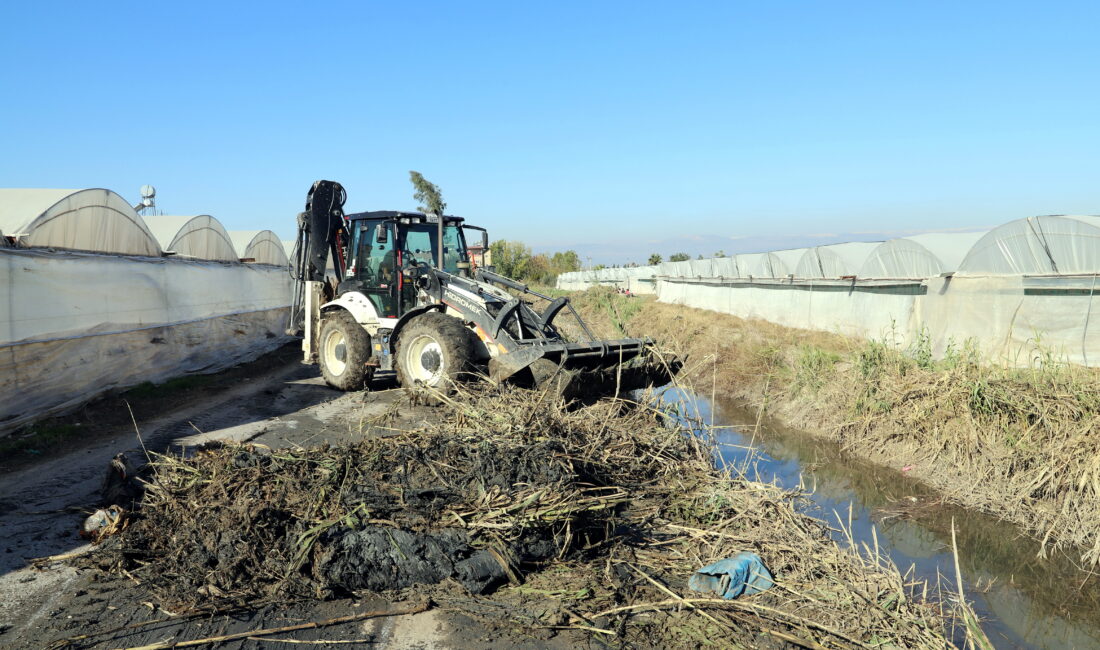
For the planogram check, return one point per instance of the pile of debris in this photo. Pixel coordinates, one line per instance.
(514, 507)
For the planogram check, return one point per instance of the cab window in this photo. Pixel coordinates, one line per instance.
(420, 245)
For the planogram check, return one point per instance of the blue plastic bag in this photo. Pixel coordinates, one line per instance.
(742, 575)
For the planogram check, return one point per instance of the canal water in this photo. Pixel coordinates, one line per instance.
(1024, 601)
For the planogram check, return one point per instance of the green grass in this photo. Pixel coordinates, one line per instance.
(619, 308)
(813, 367)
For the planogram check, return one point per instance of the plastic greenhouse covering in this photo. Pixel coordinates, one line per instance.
(761, 265)
(833, 261)
(919, 256)
(726, 267)
(95, 220)
(201, 237)
(701, 268)
(1037, 246)
(261, 245)
(92, 304)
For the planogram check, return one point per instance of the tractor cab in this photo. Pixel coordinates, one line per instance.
(387, 249)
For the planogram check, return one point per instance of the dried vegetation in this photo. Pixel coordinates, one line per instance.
(522, 512)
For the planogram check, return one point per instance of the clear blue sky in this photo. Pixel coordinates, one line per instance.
(562, 123)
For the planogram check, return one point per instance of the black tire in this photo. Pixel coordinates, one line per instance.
(435, 350)
(343, 350)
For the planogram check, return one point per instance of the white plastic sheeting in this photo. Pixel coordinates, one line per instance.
(833, 261)
(726, 267)
(675, 269)
(1036, 246)
(762, 265)
(703, 268)
(263, 246)
(1013, 320)
(201, 237)
(638, 279)
(919, 256)
(89, 220)
(881, 311)
(80, 324)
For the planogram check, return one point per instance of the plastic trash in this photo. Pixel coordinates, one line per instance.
(741, 575)
(98, 520)
(102, 523)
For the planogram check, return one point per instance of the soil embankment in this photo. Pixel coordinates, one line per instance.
(1021, 444)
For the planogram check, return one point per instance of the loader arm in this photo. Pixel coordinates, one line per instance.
(322, 235)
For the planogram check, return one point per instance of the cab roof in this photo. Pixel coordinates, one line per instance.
(418, 217)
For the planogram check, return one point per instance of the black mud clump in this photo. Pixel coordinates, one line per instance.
(378, 558)
(240, 524)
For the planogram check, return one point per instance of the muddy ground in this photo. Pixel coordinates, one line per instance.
(275, 401)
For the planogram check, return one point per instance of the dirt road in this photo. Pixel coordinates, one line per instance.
(279, 404)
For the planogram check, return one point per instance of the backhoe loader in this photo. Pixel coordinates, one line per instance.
(407, 298)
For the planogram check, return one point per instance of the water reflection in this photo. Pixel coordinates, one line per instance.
(1025, 601)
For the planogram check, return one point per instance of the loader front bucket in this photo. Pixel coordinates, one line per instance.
(586, 370)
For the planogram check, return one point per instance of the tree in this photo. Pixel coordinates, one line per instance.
(565, 262)
(511, 258)
(515, 260)
(427, 194)
(538, 270)
(679, 257)
(654, 259)
(720, 254)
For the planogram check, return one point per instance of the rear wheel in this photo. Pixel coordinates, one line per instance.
(344, 351)
(435, 350)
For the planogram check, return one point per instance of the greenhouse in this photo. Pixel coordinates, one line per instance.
(99, 298)
(726, 267)
(919, 256)
(759, 265)
(833, 261)
(776, 264)
(260, 246)
(200, 237)
(95, 220)
(674, 269)
(1054, 244)
(703, 268)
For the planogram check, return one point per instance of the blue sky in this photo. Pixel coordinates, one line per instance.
(615, 128)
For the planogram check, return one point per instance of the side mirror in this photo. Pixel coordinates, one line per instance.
(381, 235)
(484, 240)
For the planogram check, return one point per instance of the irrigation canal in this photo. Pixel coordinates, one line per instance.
(1023, 600)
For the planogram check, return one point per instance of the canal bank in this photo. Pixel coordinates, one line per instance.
(1019, 444)
(1023, 600)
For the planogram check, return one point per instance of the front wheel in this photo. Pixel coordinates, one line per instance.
(434, 350)
(344, 352)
